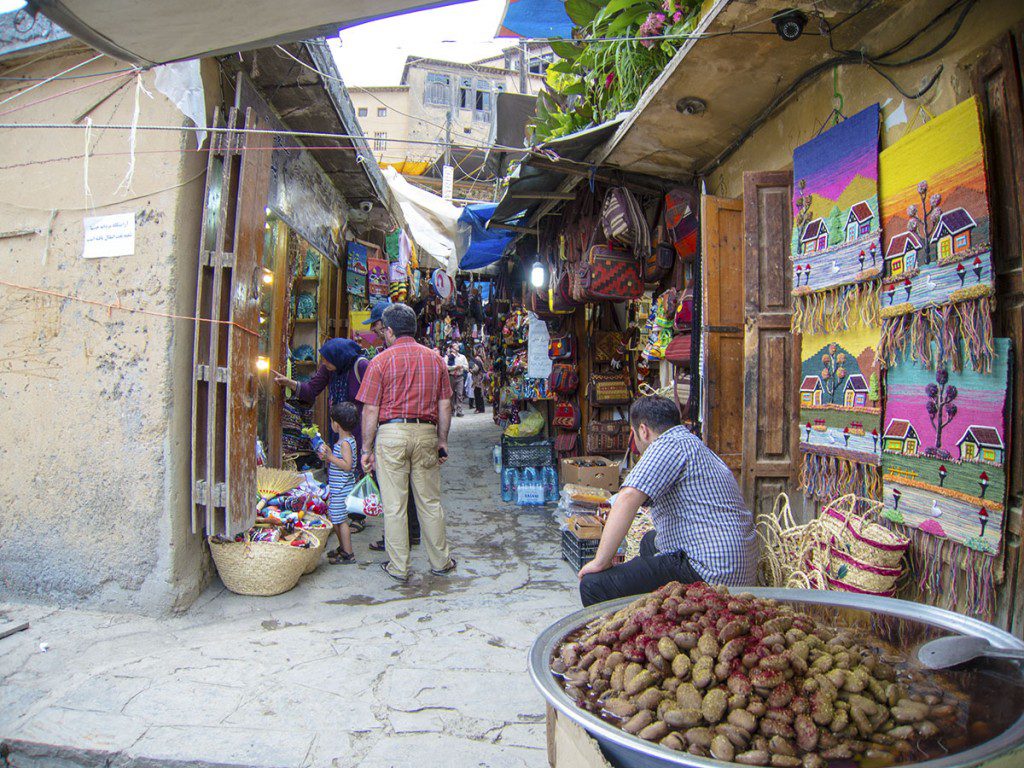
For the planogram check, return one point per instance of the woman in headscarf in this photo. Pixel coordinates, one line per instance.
(342, 366)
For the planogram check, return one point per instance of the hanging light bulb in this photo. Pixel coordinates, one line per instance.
(262, 364)
(268, 277)
(537, 275)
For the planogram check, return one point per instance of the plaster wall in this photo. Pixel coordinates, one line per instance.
(771, 147)
(95, 405)
(395, 124)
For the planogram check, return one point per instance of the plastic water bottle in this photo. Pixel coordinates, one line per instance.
(496, 458)
(508, 484)
(550, 478)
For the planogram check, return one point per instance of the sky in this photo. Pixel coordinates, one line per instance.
(374, 53)
(10, 5)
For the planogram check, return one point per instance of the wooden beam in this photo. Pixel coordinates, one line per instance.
(10, 629)
(542, 196)
(524, 230)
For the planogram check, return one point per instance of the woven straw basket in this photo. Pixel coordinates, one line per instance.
(849, 571)
(262, 568)
(320, 534)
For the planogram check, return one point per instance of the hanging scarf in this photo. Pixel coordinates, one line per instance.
(342, 354)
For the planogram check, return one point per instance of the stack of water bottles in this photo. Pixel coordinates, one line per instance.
(527, 486)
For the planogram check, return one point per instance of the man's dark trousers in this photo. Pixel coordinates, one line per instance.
(644, 573)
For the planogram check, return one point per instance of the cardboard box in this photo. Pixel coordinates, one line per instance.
(604, 475)
(586, 526)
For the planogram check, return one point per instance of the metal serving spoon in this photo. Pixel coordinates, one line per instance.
(948, 652)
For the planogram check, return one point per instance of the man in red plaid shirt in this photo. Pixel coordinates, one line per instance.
(407, 412)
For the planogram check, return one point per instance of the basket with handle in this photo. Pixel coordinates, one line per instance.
(320, 528)
(262, 568)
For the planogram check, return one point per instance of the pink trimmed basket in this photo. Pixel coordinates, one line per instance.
(842, 586)
(847, 569)
(876, 543)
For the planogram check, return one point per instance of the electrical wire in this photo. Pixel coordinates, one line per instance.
(68, 77)
(41, 83)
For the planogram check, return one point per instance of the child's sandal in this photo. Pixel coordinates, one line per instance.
(342, 558)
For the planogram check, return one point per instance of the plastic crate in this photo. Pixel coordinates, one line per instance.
(520, 453)
(578, 552)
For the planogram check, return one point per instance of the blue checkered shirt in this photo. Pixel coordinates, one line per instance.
(697, 507)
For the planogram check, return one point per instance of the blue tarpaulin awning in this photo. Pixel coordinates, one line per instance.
(535, 18)
(485, 246)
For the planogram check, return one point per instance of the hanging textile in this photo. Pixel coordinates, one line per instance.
(943, 463)
(836, 246)
(355, 271)
(937, 293)
(378, 277)
(840, 412)
(837, 268)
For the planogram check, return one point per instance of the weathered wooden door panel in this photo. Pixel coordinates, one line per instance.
(771, 354)
(722, 328)
(998, 84)
(226, 340)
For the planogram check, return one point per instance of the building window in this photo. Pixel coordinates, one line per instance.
(380, 141)
(466, 93)
(482, 101)
(363, 111)
(382, 111)
(437, 91)
(539, 64)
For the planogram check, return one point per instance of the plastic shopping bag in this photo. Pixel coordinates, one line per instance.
(365, 498)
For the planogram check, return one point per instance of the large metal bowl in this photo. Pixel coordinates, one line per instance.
(630, 751)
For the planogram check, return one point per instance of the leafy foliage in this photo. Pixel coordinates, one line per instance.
(613, 63)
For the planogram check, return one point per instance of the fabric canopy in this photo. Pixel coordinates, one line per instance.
(535, 18)
(485, 246)
(429, 220)
(146, 33)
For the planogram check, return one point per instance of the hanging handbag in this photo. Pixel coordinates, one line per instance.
(683, 320)
(566, 443)
(680, 349)
(562, 347)
(608, 437)
(605, 389)
(564, 379)
(680, 217)
(609, 274)
(539, 304)
(567, 415)
(560, 300)
(623, 221)
(608, 346)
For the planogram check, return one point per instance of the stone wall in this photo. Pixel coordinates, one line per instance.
(95, 405)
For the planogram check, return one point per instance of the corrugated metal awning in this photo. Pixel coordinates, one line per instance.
(146, 33)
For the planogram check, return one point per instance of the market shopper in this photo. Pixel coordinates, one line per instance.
(343, 365)
(458, 366)
(407, 413)
(341, 474)
(703, 530)
(478, 371)
(376, 324)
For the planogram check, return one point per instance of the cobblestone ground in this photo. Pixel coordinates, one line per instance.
(347, 669)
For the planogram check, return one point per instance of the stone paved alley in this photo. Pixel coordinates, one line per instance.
(347, 669)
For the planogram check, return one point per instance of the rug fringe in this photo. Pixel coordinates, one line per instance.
(838, 308)
(951, 335)
(947, 574)
(829, 477)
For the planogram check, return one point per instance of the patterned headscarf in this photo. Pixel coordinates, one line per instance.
(342, 354)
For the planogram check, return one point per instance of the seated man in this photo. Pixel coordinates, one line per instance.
(703, 530)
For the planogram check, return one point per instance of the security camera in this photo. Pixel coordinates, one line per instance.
(789, 24)
(366, 206)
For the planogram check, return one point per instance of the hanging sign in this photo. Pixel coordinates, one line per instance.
(107, 236)
(538, 364)
(443, 284)
(447, 182)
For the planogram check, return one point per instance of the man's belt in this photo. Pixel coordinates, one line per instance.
(431, 422)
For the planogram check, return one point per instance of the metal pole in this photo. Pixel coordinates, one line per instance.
(522, 66)
(448, 138)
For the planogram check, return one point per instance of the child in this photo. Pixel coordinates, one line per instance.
(342, 477)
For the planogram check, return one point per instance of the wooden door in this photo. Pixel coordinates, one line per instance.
(998, 84)
(722, 329)
(225, 385)
(771, 352)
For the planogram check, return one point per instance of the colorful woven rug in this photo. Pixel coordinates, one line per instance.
(355, 272)
(836, 247)
(943, 466)
(840, 408)
(937, 289)
(378, 276)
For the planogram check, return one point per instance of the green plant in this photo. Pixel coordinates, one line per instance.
(621, 46)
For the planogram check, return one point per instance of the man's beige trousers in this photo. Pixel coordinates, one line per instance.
(404, 453)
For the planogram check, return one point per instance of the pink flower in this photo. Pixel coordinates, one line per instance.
(677, 17)
(653, 26)
(609, 80)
